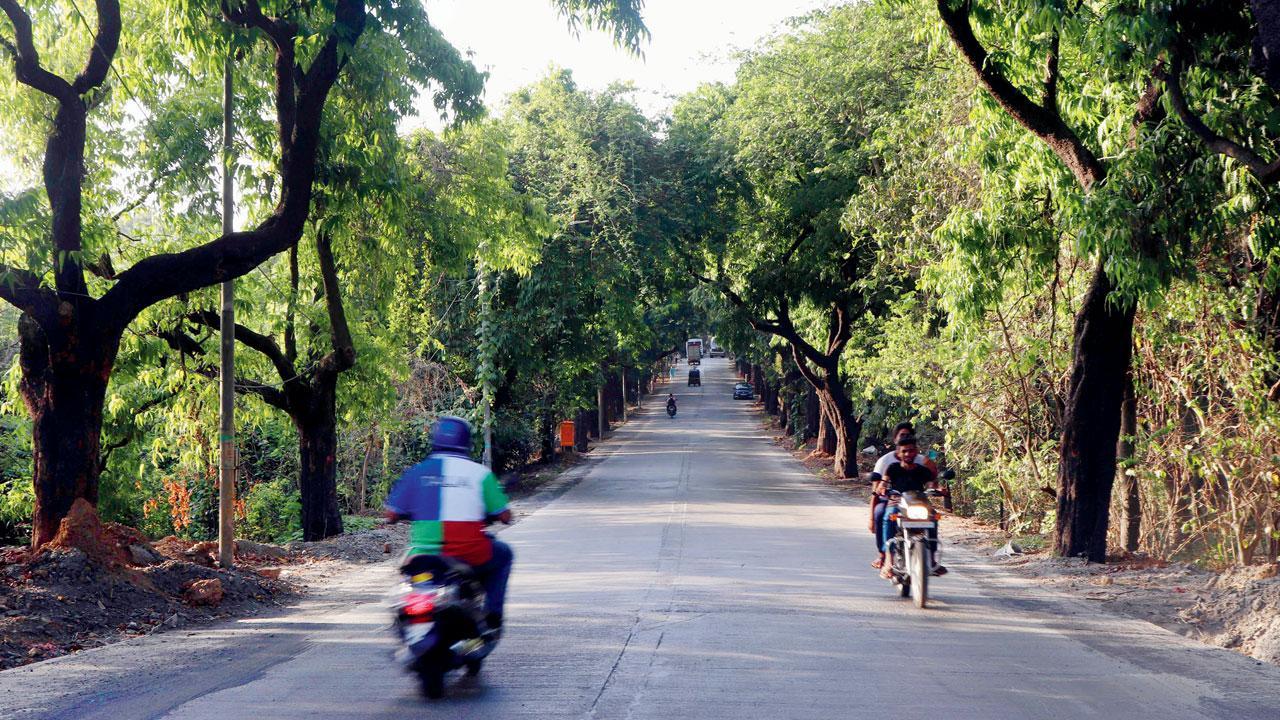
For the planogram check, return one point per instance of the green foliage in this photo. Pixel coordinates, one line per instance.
(272, 512)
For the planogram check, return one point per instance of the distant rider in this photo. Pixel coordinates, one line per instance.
(449, 499)
(671, 402)
(878, 499)
(902, 476)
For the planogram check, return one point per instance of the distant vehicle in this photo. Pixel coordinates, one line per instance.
(695, 377)
(742, 391)
(693, 350)
(716, 351)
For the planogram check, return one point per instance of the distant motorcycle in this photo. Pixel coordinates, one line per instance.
(913, 552)
(439, 619)
(671, 409)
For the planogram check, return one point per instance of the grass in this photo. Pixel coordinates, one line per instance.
(358, 523)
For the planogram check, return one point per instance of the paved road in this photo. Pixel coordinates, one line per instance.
(695, 572)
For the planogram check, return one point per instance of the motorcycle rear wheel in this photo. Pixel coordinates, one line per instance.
(432, 679)
(474, 667)
(919, 572)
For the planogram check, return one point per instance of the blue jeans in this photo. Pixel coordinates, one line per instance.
(877, 520)
(493, 576)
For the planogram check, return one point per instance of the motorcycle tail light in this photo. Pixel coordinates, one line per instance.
(419, 607)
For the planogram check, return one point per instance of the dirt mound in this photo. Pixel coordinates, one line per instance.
(81, 529)
(86, 589)
(1240, 609)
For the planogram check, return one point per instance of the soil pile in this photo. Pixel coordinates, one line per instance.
(98, 582)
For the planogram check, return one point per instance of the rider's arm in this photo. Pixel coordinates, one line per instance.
(495, 500)
(400, 501)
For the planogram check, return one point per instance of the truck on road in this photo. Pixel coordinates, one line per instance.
(693, 351)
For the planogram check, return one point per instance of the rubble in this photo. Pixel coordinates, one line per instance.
(97, 582)
(202, 592)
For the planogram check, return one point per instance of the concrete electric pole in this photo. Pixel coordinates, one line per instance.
(226, 374)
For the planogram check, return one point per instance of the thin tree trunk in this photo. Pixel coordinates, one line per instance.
(1091, 427)
(1132, 529)
(826, 429)
(812, 413)
(361, 485)
(583, 427)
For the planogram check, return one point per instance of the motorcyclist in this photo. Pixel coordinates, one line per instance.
(905, 475)
(879, 501)
(449, 499)
(671, 402)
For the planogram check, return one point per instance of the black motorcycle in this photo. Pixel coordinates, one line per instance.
(913, 552)
(671, 409)
(439, 619)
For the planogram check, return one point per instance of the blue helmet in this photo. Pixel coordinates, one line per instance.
(451, 434)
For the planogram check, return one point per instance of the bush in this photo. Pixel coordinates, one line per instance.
(272, 512)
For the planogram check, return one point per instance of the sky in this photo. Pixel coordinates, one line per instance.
(517, 41)
(693, 41)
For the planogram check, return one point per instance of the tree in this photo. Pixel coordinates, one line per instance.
(70, 338)
(71, 327)
(773, 163)
(1118, 164)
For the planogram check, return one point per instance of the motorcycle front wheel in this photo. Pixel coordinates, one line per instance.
(918, 569)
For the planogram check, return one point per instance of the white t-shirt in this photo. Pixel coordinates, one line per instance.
(890, 458)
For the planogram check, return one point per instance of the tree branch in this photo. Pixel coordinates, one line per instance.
(103, 51)
(343, 356)
(802, 365)
(1050, 101)
(290, 320)
(251, 339)
(1042, 122)
(26, 61)
(1265, 172)
(22, 289)
(189, 346)
(163, 276)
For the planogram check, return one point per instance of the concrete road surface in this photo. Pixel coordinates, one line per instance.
(695, 572)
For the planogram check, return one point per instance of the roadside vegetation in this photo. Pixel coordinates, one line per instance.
(1044, 232)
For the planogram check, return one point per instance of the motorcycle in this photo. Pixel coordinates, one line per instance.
(913, 552)
(439, 619)
(671, 409)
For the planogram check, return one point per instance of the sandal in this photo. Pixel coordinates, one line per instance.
(877, 563)
(939, 570)
(886, 572)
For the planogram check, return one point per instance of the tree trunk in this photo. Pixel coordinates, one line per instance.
(826, 429)
(812, 413)
(841, 428)
(784, 409)
(64, 387)
(583, 430)
(318, 477)
(1101, 353)
(548, 434)
(1128, 481)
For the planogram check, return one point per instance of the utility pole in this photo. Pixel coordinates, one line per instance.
(226, 371)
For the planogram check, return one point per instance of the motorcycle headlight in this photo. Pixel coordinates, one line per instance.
(917, 512)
